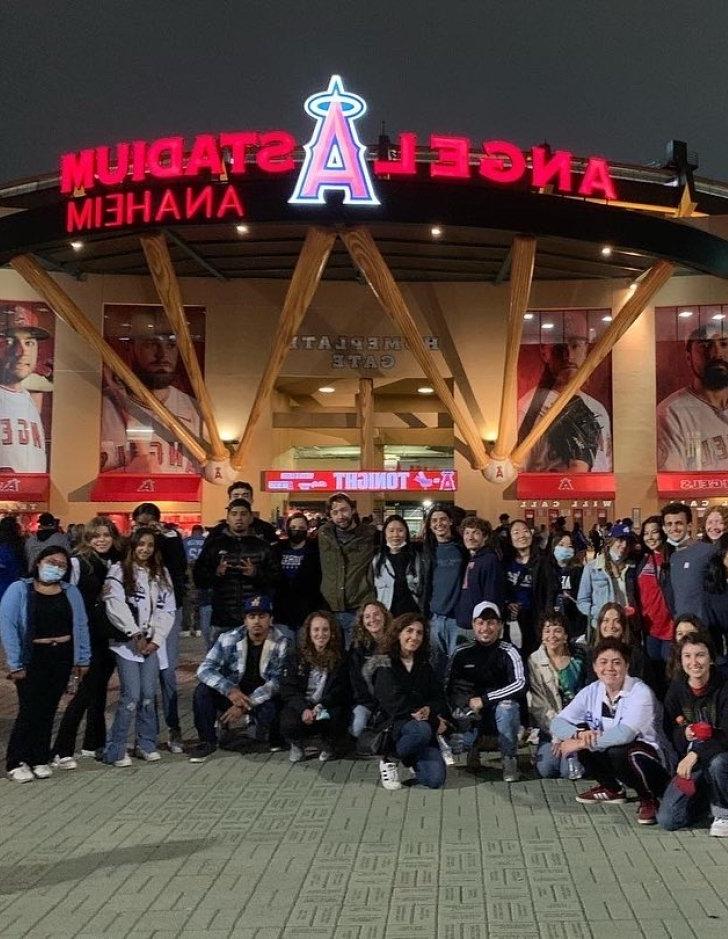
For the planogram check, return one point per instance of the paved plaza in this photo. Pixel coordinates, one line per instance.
(248, 846)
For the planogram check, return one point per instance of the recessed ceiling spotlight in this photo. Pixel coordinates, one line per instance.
(607, 318)
(685, 314)
(242, 229)
(327, 389)
(528, 316)
(547, 325)
(425, 390)
(718, 316)
(435, 231)
(607, 251)
(77, 245)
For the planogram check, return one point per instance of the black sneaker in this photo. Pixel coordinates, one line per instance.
(201, 752)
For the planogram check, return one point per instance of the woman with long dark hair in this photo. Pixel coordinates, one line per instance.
(12, 555)
(557, 582)
(652, 579)
(372, 624)
(315, 688)
(90, 564)
(140, 603)
(715, 606)
(520, 564)
(44, 633)
(610, 577)
(398, 569)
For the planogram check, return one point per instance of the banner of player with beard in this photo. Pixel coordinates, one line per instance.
(26, 397)
(691, 367)
(132, 439)
(554, 344)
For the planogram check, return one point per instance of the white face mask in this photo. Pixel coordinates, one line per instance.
(616, 554)
(675, 544)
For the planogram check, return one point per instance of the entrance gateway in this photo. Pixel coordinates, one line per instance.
(254, 204)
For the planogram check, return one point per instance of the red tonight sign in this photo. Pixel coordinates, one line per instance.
(360, 481)
(566, 486)
(95, 179)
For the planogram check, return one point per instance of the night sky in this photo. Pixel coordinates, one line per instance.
(616, 78)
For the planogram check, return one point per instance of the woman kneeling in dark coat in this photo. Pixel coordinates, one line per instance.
(315, 688)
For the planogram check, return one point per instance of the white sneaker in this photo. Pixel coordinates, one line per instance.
(719, 828)
(295, 754)
(65, 762)
(152, 757)
(325, 756)
(510, 769)
(389, 775)
(445, 751)
(124, 761)
(20, 774)
(42, 771)
(88, 754)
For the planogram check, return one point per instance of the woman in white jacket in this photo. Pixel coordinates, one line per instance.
(140, 604)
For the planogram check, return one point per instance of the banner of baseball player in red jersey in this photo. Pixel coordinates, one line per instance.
(579, 442)
(26, 399)
(139, 457)
(691, 367)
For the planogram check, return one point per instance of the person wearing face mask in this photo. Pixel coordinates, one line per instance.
(398, 569)
(556, 585)
(688, 561)
(652, 602)
(609, 578)
(299, 586)
(44, 633)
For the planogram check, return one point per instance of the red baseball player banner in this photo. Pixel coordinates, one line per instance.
(26, 399)
(136, 450)
(554, 344)
(359, 481)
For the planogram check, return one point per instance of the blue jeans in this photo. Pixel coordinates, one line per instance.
(416, 745)
(658, 649)
(549, 766)
(359, 719)
(345, 619)
(678, 810)
(137, 684)
(505, 720)
(445, 637)
(168, 676)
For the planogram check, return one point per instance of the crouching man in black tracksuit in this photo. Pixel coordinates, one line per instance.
(485, 684)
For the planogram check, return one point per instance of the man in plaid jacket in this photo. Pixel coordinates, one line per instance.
(240, 680)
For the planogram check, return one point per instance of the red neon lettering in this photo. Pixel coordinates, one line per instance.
(201, 204)
(169, 151)
(405, 164)
(452, 157)
(77, 170)
(276, 152)
(108, 175)
(167, 206)
(493, 164)
(98, 210)
(204, 156)
(230, 203)
(113, 210)
(596, 180)
(138, 160)
(238, 144)
(547, 168)
(79, 215)
(144, 207)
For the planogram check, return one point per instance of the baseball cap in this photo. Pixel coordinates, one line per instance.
(257, 604)
(46, 520)
(620, 530)
(486, 606)
(23, 317)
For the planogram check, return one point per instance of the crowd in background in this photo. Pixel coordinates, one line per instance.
(604, 651)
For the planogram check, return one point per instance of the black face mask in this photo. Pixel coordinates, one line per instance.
(297, 537)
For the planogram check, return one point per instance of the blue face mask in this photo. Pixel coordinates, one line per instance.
(563, 554)
(50, 573)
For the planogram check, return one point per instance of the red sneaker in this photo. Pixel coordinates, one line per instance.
(602, 796)
(647, 812)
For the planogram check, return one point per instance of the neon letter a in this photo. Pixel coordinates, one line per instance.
(334, 154)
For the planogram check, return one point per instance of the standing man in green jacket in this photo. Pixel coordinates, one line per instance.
(347, 548)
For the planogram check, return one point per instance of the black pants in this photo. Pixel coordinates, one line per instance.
(208, 704)
(634, 764)
(39, 693)
(295, 731)
(90, 699)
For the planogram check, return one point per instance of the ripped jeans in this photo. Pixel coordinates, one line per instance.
(503, 719)
(137, 687)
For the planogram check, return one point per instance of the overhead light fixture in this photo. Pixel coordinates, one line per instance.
(718, 316)
(425, 390)
(607, 318)
(547, 325)
(327, 389)
(606, 251)
(528, 316)
(77, 245)
(242, 229)
(435, 231)
(632, 287)
(685, 314)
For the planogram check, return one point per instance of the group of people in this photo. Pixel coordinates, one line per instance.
(607, 659)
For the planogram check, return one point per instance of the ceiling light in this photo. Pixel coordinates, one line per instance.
(425, 390)
(242, 229)
(528, 316)
(606, 251)
(435, 231)
(685, 314)
(718, 316)
(76, 245)
(547, 325)
(632, 287)
(327, 390)
(607, 319)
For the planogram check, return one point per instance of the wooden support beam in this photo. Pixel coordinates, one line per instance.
(165, 280)
(54, 295)
(365, 406)
(655, 278)
(370, 262)
(523, 254)
(306, 276)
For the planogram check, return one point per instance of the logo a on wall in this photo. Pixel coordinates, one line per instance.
(334, 154)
